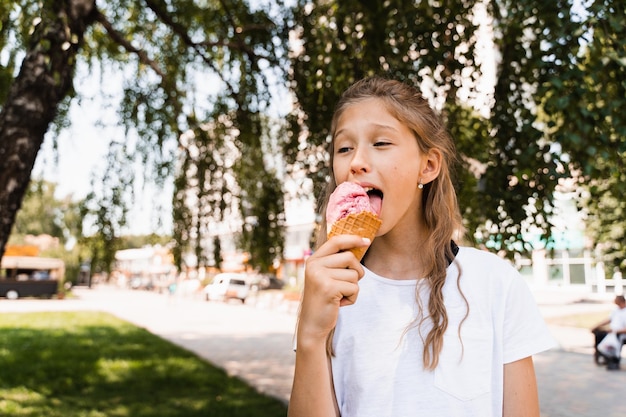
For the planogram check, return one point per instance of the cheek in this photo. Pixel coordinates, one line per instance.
(405, 174)
(339, 173)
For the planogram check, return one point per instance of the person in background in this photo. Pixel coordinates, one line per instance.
(616, 322)
(422, 326)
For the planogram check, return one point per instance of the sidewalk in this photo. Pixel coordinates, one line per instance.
(254, 342)
(570, 383)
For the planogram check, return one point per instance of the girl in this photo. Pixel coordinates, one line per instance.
(421, 327)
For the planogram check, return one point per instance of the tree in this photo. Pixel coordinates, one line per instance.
(342, 42)
(42, 213)
(535, 41)
(182, 67)
(518, 143)
(105, 208)
(32, 100)
(551, 111)
(587, 101)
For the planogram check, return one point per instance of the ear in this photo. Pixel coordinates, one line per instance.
(431, 166)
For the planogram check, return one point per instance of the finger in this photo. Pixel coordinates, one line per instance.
(331, 264)
(347, 275)
(346, 285)
(342, 243)
(322, 272)
(348, 290)
(332, 280)
(350, 299)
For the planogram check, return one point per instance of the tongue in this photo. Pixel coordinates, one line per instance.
(376, 202)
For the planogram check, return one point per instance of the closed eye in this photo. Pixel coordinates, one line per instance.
(381, 143)
(343, 149)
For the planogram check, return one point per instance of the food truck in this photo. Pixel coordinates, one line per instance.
(30, 276)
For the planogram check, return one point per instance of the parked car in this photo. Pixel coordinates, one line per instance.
(226, 286)
(270, 282)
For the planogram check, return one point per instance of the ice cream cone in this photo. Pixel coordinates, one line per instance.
(364, 224)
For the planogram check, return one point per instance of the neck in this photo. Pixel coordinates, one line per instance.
(397, 255)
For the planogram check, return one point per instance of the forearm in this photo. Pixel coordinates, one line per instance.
(312, 394)
(601, 324)
(332, 274)
(520, 389)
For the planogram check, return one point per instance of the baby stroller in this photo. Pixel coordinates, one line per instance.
(612, 363)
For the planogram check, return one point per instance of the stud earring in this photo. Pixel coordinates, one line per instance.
(420, 185)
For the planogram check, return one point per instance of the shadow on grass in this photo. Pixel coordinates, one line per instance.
(93, 364)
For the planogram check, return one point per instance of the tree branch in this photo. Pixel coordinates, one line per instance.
(182, 33)
(119, 38)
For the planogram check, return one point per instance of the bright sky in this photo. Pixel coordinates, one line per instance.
(81, 153)
(82, 149)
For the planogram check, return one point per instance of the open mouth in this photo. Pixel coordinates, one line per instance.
(376, 199)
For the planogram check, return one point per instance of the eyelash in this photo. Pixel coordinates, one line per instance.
(348, 148)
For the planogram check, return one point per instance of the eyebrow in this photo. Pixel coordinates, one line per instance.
(376, 125)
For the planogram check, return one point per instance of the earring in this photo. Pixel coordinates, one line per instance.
(420, 185)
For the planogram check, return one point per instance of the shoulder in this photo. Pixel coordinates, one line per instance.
(485, 273)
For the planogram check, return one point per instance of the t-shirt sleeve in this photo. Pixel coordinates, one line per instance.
(618, 319)
(525, 331)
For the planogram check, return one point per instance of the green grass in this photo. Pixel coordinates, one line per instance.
(92, 364)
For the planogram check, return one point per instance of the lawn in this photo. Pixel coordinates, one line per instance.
(583, 320)
(92, 364)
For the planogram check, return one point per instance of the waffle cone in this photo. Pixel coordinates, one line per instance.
(364, 224)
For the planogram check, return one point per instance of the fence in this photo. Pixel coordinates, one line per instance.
(569, 269)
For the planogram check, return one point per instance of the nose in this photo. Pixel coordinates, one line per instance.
(360, 161)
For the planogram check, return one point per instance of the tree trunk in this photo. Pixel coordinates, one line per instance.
(44, 80)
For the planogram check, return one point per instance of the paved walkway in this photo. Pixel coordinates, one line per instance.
(254, 341)
(570, 383)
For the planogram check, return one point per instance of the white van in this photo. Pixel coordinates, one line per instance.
(226, 286)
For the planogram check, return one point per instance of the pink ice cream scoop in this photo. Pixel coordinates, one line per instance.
(352, 211)
(350, 197)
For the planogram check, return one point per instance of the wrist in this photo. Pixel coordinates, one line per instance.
(311, 341)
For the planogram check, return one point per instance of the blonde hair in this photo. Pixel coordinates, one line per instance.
(440, 208)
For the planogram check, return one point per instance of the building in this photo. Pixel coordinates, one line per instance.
(150, 267)
(568, 260)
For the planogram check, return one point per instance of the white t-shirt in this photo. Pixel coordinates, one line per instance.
(618, 319)
(378, 368)
(618, 322)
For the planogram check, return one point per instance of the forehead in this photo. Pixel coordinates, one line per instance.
(367, 111)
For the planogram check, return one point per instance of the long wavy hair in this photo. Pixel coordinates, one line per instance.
(440, 213)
